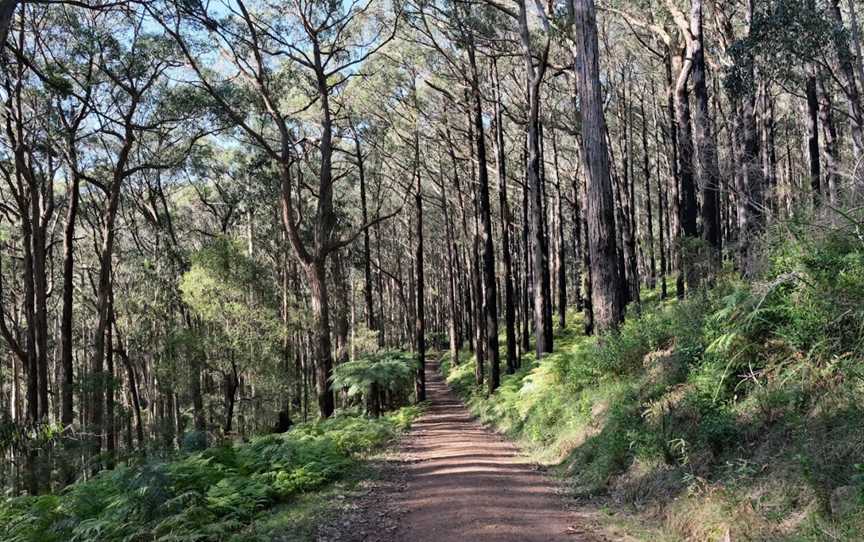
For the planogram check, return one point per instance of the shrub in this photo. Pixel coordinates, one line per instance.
(194, 441)
(372, 373)
(201, 496)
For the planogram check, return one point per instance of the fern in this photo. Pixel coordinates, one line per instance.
(392, 370)
(199, 497)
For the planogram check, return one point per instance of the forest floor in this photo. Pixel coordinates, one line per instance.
(454, 480)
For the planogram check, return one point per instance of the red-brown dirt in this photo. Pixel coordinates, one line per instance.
(464, 482)
(454, 480)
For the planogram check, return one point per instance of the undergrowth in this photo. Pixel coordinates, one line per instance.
(736, 412)
(218, 494)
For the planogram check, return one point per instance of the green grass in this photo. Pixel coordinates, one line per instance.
(737, 410)
(272, 487)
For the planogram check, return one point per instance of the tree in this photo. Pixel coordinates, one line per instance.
(606, 283)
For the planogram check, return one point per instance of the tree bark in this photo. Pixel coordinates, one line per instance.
(542, 290)
(705, 143)
(490, 296)
(66, 330)
(420, 308)
(813, 139)
(646, 173)
(560, 260)
(371, 322)
(509, 296)
(826, 116)
(844, 55)
(607, 284)
(686, 158)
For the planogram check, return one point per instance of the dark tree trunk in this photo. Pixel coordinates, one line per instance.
(560, 266)
(606, 282)
(509, 297)
(813, 139)
(625, 208)
(230, 383)
(577, 241)
(133, 386)
(826, 115)
(490, 301)
(420, 311)
(110, 421)
(103, 315)
(686, 157)
(705, 141)
(542, 291)
(66, 347)
(371, 321)
(649, 217)
(453, 325)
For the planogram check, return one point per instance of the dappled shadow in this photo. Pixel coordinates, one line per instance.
(467, 483)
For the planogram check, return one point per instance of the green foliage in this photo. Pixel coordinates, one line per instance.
(223, 285)
(194, 441)
(697, 405)
(781, 34)
(202, 496)
(238, 322)
(390, 370)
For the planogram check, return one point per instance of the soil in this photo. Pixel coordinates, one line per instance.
(454, 480)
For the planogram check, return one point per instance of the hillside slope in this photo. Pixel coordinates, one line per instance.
(736, 412)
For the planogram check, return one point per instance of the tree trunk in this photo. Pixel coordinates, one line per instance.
(686, 158)
(103, 311)
(509, 296)
(844, 55)
(560, 260)
(606, 282)
(542, 291)
(490, 301)
(110, 422)
(230, 384)
(705, 143)
(453, 321)
(420, 313)
(826, 116)
(316, 272)
(66, 330)
(813, 139)
(646, 173)
(367, 256)
(340, 324)
(420, 307)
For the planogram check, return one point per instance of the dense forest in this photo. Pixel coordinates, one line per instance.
(254, 226)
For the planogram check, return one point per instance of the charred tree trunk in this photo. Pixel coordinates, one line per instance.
(66, 330)
(420, 309)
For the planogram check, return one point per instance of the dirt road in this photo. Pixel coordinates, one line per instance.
(465, 483)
